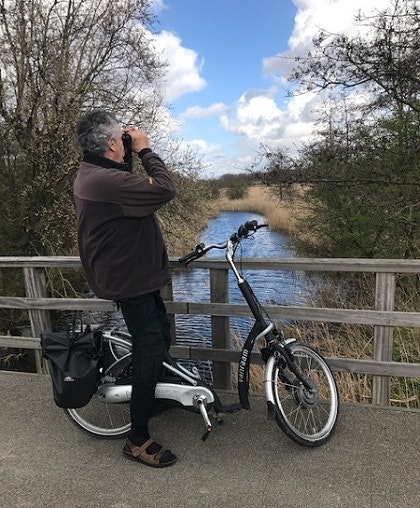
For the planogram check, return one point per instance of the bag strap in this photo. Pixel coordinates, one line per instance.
(78, 318)
(84, 330)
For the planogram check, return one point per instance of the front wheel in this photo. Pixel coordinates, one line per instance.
(307, 415)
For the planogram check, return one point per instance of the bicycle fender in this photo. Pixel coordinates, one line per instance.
(268, 384)
(268, 376)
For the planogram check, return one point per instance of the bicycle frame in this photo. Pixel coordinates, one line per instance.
(261, 329)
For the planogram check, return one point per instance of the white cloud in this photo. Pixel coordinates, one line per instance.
(203, 147)
(262, 122)
(263, 117)
(334, 16)
(183, 71)
(215, 109)
(260, 116)
(214, 160)
(256, 117)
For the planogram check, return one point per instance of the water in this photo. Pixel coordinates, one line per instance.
(277, 287)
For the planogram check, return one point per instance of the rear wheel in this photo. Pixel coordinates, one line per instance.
(307, 415)
(102, 418)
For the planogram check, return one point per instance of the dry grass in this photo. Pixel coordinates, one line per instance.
(340, 341)
(345, 342)
(335, 340)
(281, 214)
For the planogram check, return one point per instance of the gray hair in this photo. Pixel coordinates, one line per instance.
(95, 129)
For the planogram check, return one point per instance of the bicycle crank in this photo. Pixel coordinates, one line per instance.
(200, 402)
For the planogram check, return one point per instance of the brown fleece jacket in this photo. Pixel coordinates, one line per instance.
(120, 241)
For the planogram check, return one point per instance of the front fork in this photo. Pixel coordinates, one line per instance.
(283, 354)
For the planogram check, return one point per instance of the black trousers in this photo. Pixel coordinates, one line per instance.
(148, 324)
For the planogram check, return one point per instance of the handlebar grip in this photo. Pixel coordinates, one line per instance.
(188, 257)
(244, 229)
(196, 253)
(250, 225)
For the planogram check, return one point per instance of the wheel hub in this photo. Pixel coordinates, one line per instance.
(303, 396)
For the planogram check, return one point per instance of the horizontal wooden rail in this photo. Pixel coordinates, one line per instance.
(396, 369)
(361, 317)
(294, 264)
(382, 318)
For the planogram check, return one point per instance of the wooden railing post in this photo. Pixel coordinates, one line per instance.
(220, 330)
(383, 337)
(35, 287)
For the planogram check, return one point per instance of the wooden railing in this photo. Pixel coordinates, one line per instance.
(382, 317)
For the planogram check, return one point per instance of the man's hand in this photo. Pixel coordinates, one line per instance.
(139, 139)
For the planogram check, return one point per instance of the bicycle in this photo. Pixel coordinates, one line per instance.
(300, 389)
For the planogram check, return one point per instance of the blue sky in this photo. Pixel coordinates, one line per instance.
(228, 61)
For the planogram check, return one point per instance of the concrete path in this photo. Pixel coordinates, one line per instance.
(45, 461)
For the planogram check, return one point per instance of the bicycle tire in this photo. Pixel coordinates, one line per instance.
(98, 418)
(307, 417)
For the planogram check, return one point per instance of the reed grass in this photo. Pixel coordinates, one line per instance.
(282, 214)
(345, 341)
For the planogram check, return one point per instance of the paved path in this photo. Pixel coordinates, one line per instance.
(45, 461)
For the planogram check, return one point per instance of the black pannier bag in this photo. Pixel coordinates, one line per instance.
(74, 359)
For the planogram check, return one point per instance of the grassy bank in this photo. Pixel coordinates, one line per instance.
(282, 215)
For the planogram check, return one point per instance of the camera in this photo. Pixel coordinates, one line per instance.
(128, 155)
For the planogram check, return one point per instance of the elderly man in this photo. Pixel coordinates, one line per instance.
(124, 256)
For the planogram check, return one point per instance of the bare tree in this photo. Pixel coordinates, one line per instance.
(59, 57)
(362, 171)
(384, 64)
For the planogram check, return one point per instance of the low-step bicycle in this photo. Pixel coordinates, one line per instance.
(299, 385)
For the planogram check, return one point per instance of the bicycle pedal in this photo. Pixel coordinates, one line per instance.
(206, 434)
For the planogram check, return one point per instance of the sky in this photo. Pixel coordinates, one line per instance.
(228, 61)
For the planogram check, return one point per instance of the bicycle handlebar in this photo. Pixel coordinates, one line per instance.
(195, 254)
(244, 231)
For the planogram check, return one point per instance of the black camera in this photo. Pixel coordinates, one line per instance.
(128, 154)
